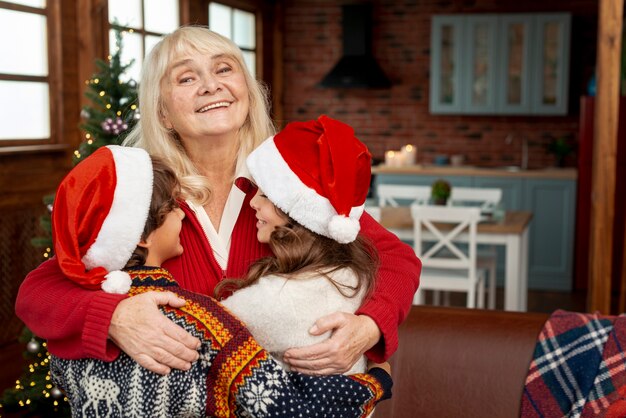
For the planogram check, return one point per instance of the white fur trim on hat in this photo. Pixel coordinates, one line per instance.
(121, 230)
(285, 189)
(117, 281)
(343, 229)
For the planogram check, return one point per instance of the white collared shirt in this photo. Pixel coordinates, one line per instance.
(220, 241)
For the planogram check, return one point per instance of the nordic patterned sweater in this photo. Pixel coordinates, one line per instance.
(234, 377)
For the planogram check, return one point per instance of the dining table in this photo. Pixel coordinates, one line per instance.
(511, 231)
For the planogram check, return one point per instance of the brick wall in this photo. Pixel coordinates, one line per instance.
(389, 118)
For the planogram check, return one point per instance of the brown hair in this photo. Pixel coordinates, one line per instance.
(298, 250)
(165, 190)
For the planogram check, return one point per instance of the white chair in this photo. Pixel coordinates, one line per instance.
(392, 194)
(447, 264)
(402, 195)
(486, 199)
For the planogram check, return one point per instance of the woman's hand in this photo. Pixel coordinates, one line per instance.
(352, 335)
(140, 330)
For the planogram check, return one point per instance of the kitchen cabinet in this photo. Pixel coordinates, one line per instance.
(500, 64)
(552, 202)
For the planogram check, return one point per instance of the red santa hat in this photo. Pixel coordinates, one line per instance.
(99, 213)
(318, 173)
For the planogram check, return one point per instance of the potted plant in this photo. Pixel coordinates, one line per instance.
(560, 147)
(440, 192)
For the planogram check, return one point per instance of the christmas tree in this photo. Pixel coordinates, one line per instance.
(110, 116)
(113, 111)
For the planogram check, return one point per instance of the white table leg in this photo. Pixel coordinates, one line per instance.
(512, 269)
(523, 290)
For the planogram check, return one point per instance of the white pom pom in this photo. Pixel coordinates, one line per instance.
(116, 282)
(343, 229)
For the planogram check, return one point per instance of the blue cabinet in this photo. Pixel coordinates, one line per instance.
(551, 237)
(551, 234)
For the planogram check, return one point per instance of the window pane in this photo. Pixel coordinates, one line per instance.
(550, 62)
(515, 65)
(250, 60)
(29, 55)
(126, 12)
(15, 97)
(446, 95)
(151, 41)
(131, 49)
(33, 3)
(219, 19)
(480, 64)
(161, 16)
(244, 29)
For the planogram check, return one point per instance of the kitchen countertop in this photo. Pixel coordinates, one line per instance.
(433, 170)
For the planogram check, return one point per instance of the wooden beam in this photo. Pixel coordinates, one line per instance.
(622, 298)
(604, 154)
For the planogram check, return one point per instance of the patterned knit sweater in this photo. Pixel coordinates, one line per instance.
(234, 377)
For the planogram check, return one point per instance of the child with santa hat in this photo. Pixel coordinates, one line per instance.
(312, 178)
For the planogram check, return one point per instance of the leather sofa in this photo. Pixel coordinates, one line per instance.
(455, 362)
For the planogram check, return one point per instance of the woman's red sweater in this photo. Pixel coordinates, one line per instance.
(75, 320)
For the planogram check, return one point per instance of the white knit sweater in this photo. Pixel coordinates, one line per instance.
(279, 312)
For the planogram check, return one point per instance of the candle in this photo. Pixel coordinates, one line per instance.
(390, 158)
(409, 154)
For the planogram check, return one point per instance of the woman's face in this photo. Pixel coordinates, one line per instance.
(204, 95)
(268, 217)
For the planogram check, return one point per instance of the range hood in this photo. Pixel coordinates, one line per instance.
(357, 68)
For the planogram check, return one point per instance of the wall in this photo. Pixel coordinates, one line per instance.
(389, 118)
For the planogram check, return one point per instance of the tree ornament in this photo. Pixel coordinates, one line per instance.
(33, 346)
(56, 392)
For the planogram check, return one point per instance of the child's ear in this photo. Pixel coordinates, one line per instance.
(147, 243)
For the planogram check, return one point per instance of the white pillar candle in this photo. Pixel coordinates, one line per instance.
(390, 158)
(409, 154)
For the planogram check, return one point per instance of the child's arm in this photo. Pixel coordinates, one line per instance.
(246, 377)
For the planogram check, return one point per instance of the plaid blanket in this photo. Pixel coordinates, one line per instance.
(578, 368)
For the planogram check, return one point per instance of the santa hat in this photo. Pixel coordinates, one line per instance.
(318, 173)
(99, 213)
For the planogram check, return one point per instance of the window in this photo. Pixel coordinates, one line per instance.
(25, 84)
(237, 25)
(145, 22)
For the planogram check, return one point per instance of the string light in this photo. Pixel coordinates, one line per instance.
(102, 93)
(133, 107)
(108, 106)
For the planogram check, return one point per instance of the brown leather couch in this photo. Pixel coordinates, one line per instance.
(461, 363)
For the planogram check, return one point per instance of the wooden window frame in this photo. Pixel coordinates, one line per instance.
(53, 79)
